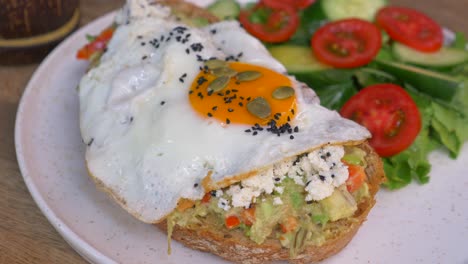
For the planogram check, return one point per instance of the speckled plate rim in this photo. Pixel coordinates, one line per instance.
(82, 247)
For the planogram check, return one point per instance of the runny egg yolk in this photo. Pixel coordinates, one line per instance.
(230, 105)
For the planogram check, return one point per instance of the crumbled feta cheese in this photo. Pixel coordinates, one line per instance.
(277, 201)
(279, 189)
(218, 193)
(316, 162)
(318, 190)
(224, 204)
(320, 172)
(340, 174)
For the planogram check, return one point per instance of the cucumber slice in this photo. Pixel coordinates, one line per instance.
(297, 59)
(340, 9)
(225, 9)
(445, 57)
(432, 83)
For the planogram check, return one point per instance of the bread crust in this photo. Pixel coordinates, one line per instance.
(235, 246)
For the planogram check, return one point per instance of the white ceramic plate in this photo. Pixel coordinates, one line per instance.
(419, 224)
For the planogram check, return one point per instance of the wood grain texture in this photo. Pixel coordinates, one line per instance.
(26, 237)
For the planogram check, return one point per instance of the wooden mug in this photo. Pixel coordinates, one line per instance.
(29, 29)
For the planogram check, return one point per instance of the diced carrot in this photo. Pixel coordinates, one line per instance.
(357, 176)
(232, 221)
(289, 225)
(206, 198)
(248, 216)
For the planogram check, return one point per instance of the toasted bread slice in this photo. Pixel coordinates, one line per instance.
(233, 245)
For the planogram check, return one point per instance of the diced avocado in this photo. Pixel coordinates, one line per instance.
(354, 156)
(361, 193)
(443, 58)
(320, 219)
(432, 83)
(267, 217)
(340, 204)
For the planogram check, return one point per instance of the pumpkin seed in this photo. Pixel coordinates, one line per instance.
(214, 64)
(224, 71)
(283, 92)
(218, 84)
(259, 107)
(246, 76)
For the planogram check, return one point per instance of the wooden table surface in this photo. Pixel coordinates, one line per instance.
(25, 234)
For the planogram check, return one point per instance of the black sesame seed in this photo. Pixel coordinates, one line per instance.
(333, 175)
(247, 130)
(248, 98)
(230, 110)
(296, 129)
(213, 31)
(190, 92)
(139, 37)
(187, 51)
(322, 178)
(196, 47)
(228, 121)
(163, 102)
(291, 137)
(235, 91)
(210, 92)
(143, 43)
(307, 184)
(131, 119)
(90, 142)
(309, 202)
(277, 179)
(328, 154)
(214, 108)
(241, 104)
(209, 114)
(254, 133)
(292, 111)
(213, 193)
(144, 57)
(195, 185)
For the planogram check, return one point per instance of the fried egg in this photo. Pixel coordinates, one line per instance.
(158, 129)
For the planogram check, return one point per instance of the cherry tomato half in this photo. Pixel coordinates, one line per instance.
(411, 27)
(281, 23)
(298, 4)
(347, 43)
(389, 113)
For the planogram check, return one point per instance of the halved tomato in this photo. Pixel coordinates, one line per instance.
(389, 113)
(411, 27)
(281, 22)
(347, 43)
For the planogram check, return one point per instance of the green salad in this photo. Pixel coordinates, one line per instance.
(330, 45)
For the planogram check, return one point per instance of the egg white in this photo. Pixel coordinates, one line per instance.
(148, 147)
